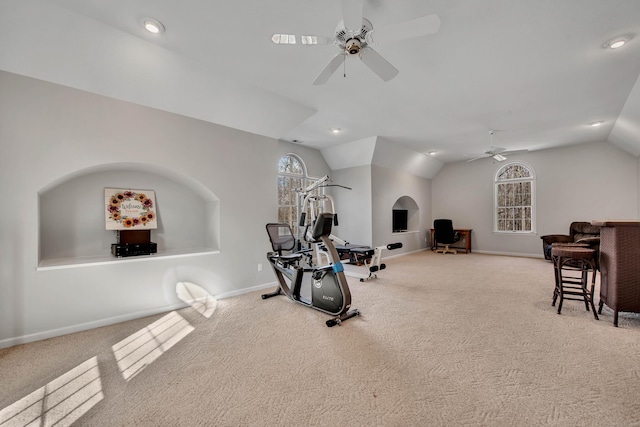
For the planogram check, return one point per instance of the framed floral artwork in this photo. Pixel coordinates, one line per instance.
(127, 209)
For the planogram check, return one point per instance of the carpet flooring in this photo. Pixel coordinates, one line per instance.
(443, 340)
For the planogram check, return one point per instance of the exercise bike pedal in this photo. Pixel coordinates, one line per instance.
(334, 322)
(272, 294)
(339, 320)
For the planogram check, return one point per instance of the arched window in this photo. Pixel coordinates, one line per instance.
(292, 178)
(514, 193)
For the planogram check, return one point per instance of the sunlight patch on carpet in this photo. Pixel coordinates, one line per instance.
(61, 402)
(142, 348)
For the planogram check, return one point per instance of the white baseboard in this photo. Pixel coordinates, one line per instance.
(508, 254)
(401, 254)
(25, 339)
(247, 290)
(38, 336)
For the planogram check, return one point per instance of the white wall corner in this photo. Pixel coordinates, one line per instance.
(351, 154)
(626, 130)
(396, 156)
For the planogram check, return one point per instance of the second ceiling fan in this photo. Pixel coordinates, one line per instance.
(497, 153)
(354, 37)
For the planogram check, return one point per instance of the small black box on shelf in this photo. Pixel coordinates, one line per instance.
(133, 243)
(134, 249)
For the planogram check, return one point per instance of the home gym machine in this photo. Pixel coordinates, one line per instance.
(357, 255)
(324, 288)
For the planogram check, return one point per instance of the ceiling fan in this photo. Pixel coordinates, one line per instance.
(497, 153)
(354, 37)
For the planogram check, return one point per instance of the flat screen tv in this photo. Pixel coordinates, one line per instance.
(400, 220)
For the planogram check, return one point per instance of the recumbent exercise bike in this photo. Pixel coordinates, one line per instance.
(323, 288)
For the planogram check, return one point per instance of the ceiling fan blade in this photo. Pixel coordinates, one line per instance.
(304, 39)
(313, 40)
(495, 150)
(418, 27)
(330, 68)
(352, 14)
(378, 64)
(476, 158)
(513, 152)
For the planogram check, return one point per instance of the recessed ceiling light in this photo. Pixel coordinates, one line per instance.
(617, 42)
(596, 124)
(432, 152)
(336, 130)
(153, 26)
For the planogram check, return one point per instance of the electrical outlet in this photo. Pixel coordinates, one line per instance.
(259, 267)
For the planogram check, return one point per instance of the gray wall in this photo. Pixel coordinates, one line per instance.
(577, 183)
(389, 185)
(353, 206)
(365, 212)
(49, 133)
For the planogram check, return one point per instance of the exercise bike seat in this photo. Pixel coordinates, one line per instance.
(282, 239)
(289, 257)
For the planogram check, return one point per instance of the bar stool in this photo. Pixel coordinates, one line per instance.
(572, 264)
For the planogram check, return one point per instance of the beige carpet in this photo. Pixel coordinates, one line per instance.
(454, 340)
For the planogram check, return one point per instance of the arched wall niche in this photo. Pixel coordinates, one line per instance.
(72, 219)
(408, 205)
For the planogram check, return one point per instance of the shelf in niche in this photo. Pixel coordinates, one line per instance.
(406, 232)
(65, 263)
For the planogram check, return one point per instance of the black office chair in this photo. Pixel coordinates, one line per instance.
(445, 234)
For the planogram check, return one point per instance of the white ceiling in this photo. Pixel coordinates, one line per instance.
(534, 71)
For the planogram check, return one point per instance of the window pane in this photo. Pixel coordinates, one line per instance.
(518, 200)
(501, 196)
(510, 194)
(510, 214)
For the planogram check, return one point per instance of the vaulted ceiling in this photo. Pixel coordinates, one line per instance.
(535, 72)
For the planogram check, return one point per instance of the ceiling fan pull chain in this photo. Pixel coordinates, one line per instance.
(344, 66)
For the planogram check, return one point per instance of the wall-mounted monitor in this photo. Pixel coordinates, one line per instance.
(400, 220)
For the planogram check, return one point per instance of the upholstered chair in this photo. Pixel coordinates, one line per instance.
(579, 232)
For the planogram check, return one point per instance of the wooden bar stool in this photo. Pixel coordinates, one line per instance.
(572, 265)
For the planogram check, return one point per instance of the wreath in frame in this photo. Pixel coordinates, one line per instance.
(130, 209)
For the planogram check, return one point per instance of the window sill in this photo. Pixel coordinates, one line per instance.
(515, 233)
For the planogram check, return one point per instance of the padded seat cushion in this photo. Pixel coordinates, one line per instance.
(573, 252)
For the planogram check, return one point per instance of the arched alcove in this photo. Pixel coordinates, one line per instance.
(72, 217)
(405, 215)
